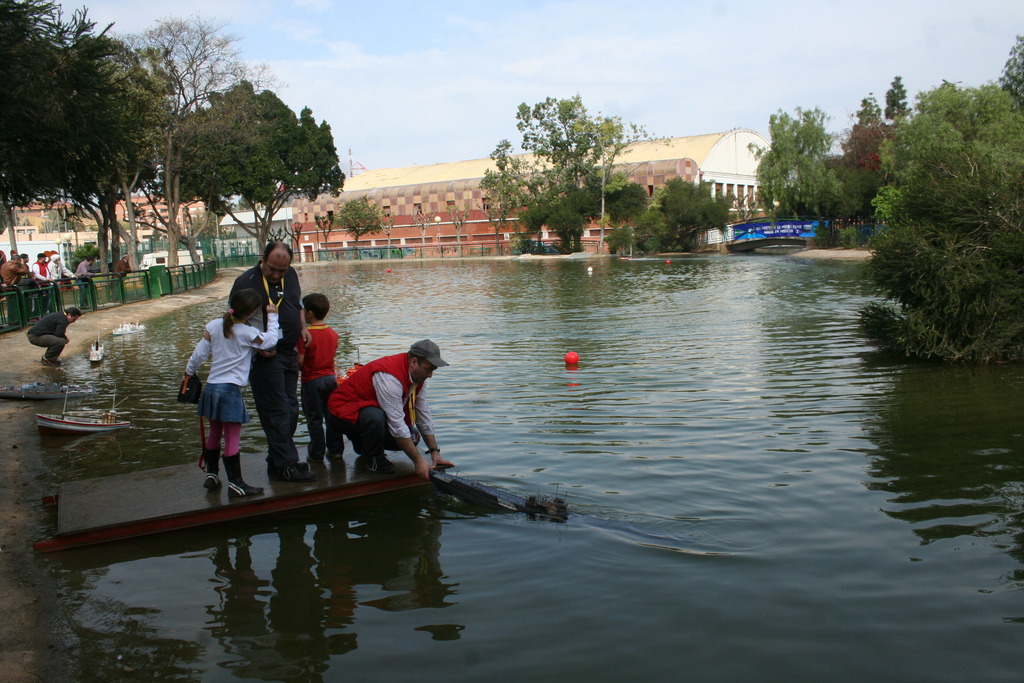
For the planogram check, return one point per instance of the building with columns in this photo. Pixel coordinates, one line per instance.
(427, 205)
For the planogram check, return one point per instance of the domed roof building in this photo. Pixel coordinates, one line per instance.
(446, 201)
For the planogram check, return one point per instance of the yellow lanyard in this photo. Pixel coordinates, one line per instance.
(266, 286)
(412, 404)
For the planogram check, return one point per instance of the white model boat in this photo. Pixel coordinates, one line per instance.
(96, 352)
(128, 328)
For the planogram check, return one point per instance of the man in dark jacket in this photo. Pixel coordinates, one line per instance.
(50, 332)
(275, 374)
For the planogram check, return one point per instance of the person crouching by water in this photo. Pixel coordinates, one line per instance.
(50, 332)
(382, 407)
(232, 344)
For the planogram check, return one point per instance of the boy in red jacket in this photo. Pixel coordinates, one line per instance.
(319, 379)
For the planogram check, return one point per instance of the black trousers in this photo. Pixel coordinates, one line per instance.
(314, 405)
(275, 391)
(370, 435)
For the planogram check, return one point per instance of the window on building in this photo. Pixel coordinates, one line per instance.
(418, 208)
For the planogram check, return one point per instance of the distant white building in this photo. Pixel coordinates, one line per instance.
(243, 241)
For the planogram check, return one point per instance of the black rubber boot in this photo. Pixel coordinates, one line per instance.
(211, 457)
(236, 486)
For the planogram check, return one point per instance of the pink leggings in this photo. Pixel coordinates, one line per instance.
(232, 436)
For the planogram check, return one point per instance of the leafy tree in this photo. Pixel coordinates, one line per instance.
(858, 187)
(1012, 79)
(896, 100)
(886, 204)
(689, 208)
(792, 173)
(565, 220)
(129, 126)
(950, 265)
(650, 234)
(620, 239)
(571, 170)
(625, 201)
(358, 217)
(56, 83)
(858, 170)
(504, 189)
(562, 136)
(251, 145)
(613, 136)
(861, 146)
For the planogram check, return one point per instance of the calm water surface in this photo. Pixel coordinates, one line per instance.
(757, 494)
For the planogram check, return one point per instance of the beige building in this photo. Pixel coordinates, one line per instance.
(423, 200)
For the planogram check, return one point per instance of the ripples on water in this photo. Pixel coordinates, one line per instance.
(753, 486)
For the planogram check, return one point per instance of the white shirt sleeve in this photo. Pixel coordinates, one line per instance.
(199, 356)
(389, 395)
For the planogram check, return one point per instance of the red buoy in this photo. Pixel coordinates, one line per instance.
(572, 358)
(668, 260)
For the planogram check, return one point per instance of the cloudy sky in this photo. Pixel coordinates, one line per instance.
(406, 83)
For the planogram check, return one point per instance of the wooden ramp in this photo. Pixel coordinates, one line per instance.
(134, 504)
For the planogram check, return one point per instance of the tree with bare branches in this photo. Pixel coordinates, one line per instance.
(195, 61)
(459, 218)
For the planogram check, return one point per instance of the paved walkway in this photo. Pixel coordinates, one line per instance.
(33, 637)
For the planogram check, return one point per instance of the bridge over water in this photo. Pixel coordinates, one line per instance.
(758, 233)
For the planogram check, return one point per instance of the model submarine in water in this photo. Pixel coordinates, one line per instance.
(483, 495)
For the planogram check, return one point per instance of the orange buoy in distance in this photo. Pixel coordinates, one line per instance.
(572, 358)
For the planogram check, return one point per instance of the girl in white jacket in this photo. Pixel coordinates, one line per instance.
(232, 344)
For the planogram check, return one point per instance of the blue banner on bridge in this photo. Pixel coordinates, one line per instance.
(765, 229)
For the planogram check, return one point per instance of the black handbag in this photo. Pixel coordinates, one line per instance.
(191, 388)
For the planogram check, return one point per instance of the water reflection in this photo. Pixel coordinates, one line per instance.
(725, 410)
(948, 454)
(279, 603)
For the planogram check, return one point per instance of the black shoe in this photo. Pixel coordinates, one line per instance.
(51, 363)
(298, 472)
(380, 466)
(212, 481)
(237, 488)
(336, 457)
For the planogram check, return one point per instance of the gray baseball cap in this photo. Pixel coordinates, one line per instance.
(429, 351)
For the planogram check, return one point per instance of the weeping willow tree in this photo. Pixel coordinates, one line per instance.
(951, 266)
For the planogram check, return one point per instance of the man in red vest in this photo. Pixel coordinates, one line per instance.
(382, 407)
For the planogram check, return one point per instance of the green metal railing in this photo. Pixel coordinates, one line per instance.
(22, 306)
(404, 252)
